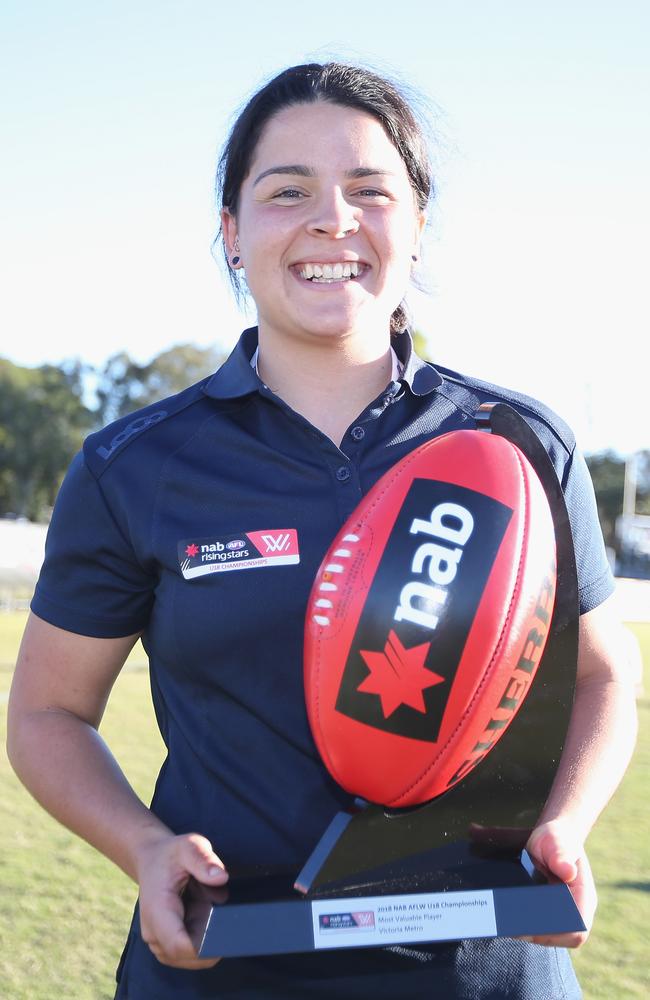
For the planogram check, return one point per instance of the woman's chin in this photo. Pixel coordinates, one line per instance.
(325, 324)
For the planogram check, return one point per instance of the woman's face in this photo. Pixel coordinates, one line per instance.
(326, 224)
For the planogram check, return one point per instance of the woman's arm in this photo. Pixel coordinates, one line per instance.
(58, 696)
(598, 747)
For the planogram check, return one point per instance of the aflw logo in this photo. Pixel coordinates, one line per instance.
(277, 543)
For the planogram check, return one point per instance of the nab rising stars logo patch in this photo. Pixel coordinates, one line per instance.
(247, 550)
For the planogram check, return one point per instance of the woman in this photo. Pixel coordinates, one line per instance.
(325, 184)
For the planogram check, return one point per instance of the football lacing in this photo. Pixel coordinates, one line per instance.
(325, 585)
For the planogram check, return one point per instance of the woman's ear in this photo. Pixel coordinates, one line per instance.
(229, 229)
(420, 223)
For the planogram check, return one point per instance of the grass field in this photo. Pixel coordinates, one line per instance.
(64, 910)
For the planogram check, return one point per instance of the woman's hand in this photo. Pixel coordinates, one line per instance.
(558, 855)
(165, 867)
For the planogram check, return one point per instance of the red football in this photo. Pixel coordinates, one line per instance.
(428, 618)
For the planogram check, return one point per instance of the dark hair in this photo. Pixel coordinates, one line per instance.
(339, 83)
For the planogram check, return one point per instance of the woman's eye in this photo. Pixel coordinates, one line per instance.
(290, 193)
(372, 193)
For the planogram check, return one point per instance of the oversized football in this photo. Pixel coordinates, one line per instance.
(428, 618)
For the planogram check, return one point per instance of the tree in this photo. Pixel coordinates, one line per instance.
(43, 418)
(608, 474)
(124, 385)
(42, 424)
(643, 482)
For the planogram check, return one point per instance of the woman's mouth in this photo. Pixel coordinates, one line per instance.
(329, 273)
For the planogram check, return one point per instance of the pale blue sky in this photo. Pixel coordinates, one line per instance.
(112, 114)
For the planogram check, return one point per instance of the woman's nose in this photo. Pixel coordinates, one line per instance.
(333, 216)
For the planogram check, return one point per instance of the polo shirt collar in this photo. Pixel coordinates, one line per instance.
(236, 378)
(420, 376)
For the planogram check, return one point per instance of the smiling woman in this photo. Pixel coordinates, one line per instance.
(200, 523)
(296, 242)
(324, 186)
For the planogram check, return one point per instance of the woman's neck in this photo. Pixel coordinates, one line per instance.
(328, 383)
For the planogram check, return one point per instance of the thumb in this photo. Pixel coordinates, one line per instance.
(563, 864)
(202, 863)
(554, 853)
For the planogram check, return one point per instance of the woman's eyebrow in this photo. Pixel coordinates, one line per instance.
(291, 168)
(300, 170)
(369, 172)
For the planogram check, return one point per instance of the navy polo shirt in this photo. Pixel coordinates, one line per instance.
(226, 475)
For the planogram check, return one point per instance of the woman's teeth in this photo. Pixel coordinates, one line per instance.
(330, 272)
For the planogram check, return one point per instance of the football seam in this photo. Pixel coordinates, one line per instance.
(497, 648)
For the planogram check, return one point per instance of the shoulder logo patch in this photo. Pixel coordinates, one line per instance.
(248, 550)
(137, 425)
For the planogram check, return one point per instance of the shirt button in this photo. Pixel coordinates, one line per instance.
(358, 433)
(343, 474)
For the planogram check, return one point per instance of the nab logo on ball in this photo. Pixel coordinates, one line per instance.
(433, 572)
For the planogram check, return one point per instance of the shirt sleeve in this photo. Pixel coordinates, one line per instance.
(595, 579)
(91, 581)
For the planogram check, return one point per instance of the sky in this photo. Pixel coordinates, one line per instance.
(537, 250)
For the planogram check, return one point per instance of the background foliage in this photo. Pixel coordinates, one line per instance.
(46, 412)
(42, 424)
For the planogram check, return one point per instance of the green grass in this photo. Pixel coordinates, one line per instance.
(64, 909)
(12, 625)
(615, 962)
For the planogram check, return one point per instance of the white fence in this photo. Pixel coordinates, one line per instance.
(22, 547)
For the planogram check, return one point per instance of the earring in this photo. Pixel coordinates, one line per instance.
(235, 246)
(414, 257)
(236, 260)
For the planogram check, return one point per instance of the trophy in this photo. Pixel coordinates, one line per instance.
(447, 723)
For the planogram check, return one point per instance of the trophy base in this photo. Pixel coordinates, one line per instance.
(265, 916)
